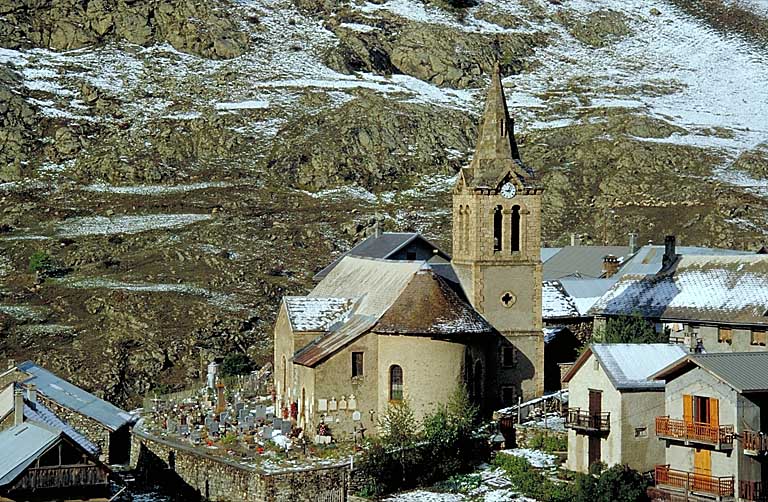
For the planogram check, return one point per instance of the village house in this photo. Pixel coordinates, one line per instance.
(394, 319)
(715, 303)
(714, 427)
(44, 457)
(612, 405)
(104, 424)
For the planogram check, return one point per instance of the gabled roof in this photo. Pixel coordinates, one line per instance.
(745, 372)
(727, 289)
(581, 261)
(307, 313)
(74, 398)
(586, 292)
(21, 446)
(429, 306)
(647, 260)
(555, 302)
(629, 365)
(383, 246)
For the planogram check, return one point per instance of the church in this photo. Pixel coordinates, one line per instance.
(398, 319)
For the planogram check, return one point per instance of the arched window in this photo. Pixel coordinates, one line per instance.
(460, 228)
(515, 228)
(467, 224)
(285, 376)
(497, 220)
(478, 383)
(395, 383)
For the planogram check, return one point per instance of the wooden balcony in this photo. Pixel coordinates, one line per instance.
(721, 487)
(695, 432)
(753, 491)
(755, 443)
(584, 421)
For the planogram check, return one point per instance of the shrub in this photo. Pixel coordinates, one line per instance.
(460, 483)
(41, 262)
(628, 329)
(548, 443)
(237, 364)
(621, 484)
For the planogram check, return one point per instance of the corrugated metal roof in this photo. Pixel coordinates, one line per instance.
(555, 302)
(376, 283)
(648, 258)
(21, 445)
(727, 289)
(744, 371)
(628, 365)
(382, 246)
(586, 292)
(37, 412)
(547, 253)
(74, 398)
(581, 261)
(306, 313)
(429, 306)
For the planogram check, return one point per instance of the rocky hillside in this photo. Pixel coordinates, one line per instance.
(178, 166)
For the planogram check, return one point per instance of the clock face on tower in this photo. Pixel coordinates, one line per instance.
(508, 190)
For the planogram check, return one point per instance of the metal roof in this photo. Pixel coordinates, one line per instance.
(37, 412)
(581, 261)
(325, 346)
(629, 365)
(648, 258)
(586, 292)
(21, 446)
(74, 398)
(725, 289)
(382, 246)
(547, 253)
(555, 302)
(307, 313)
(744, 371)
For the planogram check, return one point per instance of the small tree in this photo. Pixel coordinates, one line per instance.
(399, 433)
(620, 483)
(628, 329)
(237, 364)
(42, 263)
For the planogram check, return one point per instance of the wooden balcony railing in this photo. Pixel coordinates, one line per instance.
(588, 422)
(692, 482)
(752, 490)
(695, 432)
(755, 443)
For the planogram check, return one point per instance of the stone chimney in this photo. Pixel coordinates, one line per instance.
(32, 395)
(633, 243)
(669, 252)
(610, 265)
(575, 240)
(18, 407)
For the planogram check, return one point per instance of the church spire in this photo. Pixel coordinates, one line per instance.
(496, 138)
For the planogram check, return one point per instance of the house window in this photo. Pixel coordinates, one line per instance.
(515, 228)
(357, 364)
(725, 335)
(641, 432)
(497, 221)
(508, 357)
(508, 396)
(758, 337)
(395, 383)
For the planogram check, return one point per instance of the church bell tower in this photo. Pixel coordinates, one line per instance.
(496, 248)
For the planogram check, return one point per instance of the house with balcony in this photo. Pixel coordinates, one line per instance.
(613, 404)
(714, 427)
(714, 303)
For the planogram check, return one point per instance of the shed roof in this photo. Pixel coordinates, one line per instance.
(74, 398)
(382, 246)
(428, 305)
(581, 261)
(629, 365)
(307, 313)
(648, 258)
(556, 303)
(727, 289)
(745, 372)
(21, 446)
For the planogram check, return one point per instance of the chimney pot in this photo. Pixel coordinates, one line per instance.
(669, 251)
(610, 265)
(575, 240)
(633, 243)
(18, 407)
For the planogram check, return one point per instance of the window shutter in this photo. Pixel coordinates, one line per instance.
(688, 408)
(714, 412)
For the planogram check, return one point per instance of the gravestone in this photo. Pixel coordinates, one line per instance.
(224, 417)
(214, 428)
(356, 416)
(260, 411)
(266, 432)
(171, 426)
(285, 427)
(184, 429)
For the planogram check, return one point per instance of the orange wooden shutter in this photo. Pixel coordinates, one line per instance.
(714, 412)
(688, 408)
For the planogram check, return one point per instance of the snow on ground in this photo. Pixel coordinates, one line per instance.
(535, 457)
(425, 496)
(103, 225)
(153, 189)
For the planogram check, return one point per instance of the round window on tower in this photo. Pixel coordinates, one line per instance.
(508, 299)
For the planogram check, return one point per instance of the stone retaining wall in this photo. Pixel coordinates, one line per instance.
(195, 475)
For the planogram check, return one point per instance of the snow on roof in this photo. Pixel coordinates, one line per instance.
(731, 289)
(307, 313)
(648, 258)
(555, 302)
(628, 365)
